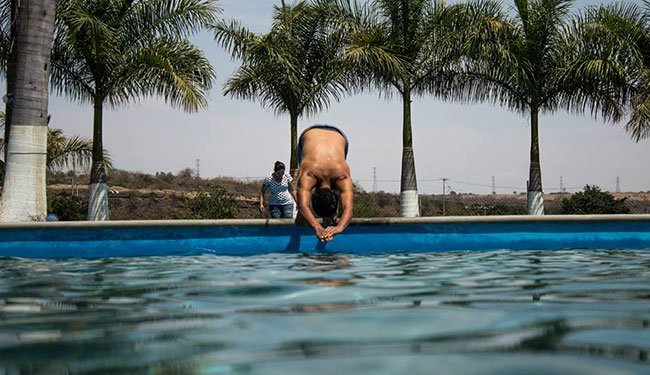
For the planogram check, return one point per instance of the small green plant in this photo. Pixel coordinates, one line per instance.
(477, 209)
(593, 201)
(66, 208)
(365, 206)
(216, 203)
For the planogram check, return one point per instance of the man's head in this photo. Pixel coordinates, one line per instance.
(325, 202)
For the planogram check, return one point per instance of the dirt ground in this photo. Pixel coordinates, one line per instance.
(152, 204)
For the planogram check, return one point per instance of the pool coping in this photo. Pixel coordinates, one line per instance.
(355, 222)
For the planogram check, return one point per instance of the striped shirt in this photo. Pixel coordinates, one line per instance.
(280, 194)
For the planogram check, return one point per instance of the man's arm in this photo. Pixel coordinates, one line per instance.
(305, 184)
(347, 203)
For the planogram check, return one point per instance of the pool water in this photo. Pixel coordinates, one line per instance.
(504, 312)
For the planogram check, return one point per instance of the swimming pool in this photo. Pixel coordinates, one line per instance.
(496, 312)
(363, 236)
(390, 296)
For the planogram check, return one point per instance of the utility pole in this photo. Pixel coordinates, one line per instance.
(618, 184)
(444, 196)
(562, 185)
(494, 187)
(374, 180)
(198, 168)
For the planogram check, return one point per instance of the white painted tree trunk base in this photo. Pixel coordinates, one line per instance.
(24, 196)
(535, 203)
(409, 205)
(98, 202)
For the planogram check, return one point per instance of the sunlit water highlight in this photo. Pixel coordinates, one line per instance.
(578, 312)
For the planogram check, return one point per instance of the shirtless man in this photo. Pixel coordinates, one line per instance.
(322, 151)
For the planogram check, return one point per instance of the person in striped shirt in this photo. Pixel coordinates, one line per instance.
(282, 195)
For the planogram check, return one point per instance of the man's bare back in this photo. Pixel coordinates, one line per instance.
(322, 153)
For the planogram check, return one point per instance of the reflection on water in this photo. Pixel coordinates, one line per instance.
(492, 312)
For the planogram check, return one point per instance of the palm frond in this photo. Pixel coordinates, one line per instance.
(234, 38)
(69, 73)
(70, 152)
(639, 123)
(171, 18)
(84, 17)
(174, 69)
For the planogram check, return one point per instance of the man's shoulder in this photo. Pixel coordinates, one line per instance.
(306, 178)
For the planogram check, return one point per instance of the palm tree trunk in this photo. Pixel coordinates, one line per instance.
(293, 163)
(24, 194)
(98, 195)
(535, 194)
(409, 204)
(10, 76)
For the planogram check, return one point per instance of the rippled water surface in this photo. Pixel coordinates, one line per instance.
(578, 312)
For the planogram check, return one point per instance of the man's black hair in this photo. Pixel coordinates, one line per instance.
(325, 202)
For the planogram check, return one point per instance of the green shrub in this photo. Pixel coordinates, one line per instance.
(365, 206)
(593, 201)
(70, 208)
(478, 209)
(216, 203)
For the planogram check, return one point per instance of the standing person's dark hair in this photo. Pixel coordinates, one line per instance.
(325, 202)
(282, 197)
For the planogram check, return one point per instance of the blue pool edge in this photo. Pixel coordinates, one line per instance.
(363, 236)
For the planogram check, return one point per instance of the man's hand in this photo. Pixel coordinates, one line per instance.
(320, 233)
(329, 232)
(261, 207)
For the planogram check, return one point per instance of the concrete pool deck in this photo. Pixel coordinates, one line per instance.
(364, 236)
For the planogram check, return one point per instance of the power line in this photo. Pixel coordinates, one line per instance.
(485, 185)
(562, 188)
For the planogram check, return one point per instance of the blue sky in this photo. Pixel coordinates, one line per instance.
(465, 143)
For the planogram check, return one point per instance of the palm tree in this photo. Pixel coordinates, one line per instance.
(112, 52)
(429, 40)
(543, 64)
(23, 194)
(295, 68)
